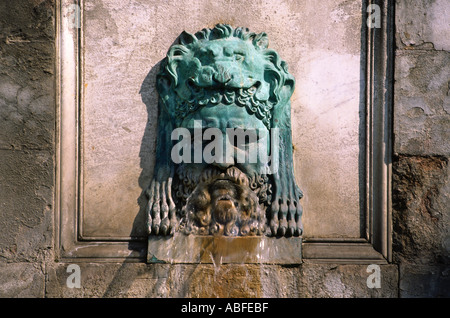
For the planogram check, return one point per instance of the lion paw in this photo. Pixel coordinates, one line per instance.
(161, 211)
(286, 213)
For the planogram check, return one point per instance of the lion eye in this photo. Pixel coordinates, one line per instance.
(239, 56)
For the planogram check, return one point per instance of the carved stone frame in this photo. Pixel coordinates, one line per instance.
(374, 247)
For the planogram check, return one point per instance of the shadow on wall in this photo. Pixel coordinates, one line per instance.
(362, 121)
(149, 97)
(125, 276)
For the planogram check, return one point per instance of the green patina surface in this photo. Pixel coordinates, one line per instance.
(224, 78)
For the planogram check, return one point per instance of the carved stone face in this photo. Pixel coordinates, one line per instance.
(223, 205)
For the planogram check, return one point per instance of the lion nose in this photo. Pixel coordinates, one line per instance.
(222, 76)
(223, 165)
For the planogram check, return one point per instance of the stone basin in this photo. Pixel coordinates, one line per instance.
(208, 249)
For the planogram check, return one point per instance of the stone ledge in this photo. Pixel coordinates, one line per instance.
(191, 249)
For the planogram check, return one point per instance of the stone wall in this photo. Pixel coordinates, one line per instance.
(421, 242)
(421, 217)
(27, 145)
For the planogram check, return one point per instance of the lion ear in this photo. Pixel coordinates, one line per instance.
(187, 38)
(261, 41)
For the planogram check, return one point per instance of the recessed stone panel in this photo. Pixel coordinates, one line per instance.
(122, 47)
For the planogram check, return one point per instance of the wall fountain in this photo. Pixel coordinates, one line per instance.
(223, 189)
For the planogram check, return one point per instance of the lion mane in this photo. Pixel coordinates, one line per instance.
(186, 81)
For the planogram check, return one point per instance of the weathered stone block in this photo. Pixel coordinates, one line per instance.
(421, 219)
(422, 24)
(22, 280)
(422, 103)
(26, 202)
(104, 280)
(27, 115)
(424, 281)
(27, 86)
(226, 280)
(346, 281)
